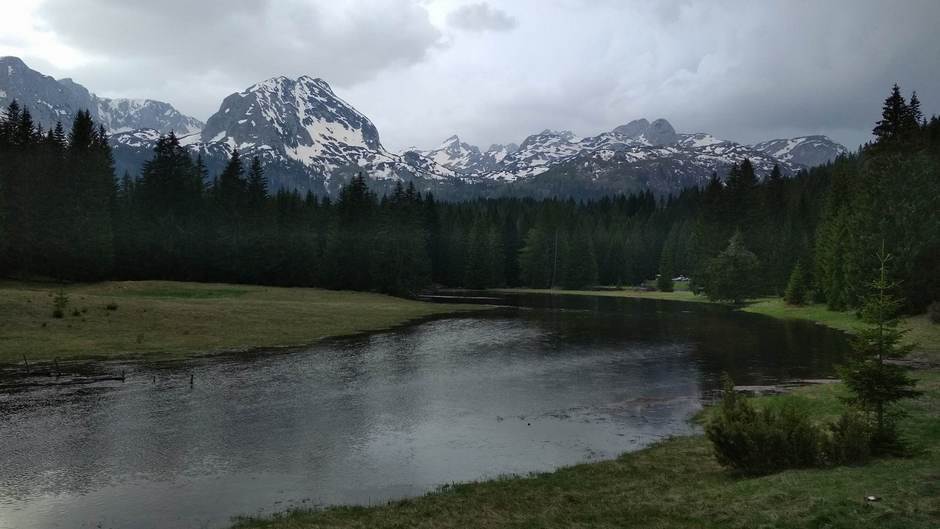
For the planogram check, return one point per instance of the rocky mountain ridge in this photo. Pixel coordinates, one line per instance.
(50, 100)
(310, 139)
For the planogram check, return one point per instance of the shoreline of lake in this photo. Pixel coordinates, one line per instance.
(921, 331)
(536, 385)
(629, 491)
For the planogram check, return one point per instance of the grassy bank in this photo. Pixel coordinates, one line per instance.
(169, 319)
(678, 295)
(678, 484)
(920, 330)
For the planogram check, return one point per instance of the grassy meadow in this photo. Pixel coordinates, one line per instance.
(165, 319)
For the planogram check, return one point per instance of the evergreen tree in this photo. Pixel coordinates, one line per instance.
(664, 280)
(91, 186)
(496, 254)
(732, 274)
(895, 116)
(914, 115)
(796, 293)
(580, 263)
(351, 249)
(231, 190)
(537, 259)
(876, 384)
(256, 188)
(479, 272)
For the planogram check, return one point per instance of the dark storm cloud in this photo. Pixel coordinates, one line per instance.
(480, 17)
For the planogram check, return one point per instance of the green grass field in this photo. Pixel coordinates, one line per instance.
(163, 319)
(678, 295)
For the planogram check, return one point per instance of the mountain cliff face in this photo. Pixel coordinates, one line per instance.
(636, 156)
(310, 139)
(803, 151)
(122, 115)
(464, 158)
(307, 136)
(50, 100)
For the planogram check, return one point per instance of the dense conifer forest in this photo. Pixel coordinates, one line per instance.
(64, 215)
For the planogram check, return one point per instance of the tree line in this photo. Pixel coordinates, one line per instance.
(64, 215)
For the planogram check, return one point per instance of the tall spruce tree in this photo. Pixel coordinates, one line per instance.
(256, 187)
(876, 384)
(732, 275)
(796, 293)
(895, 115)
(91, 185)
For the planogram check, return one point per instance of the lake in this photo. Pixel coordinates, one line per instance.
(543, 382)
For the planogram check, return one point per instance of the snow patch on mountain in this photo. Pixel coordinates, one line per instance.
(122, 115)
(803, 151)
(50, 100)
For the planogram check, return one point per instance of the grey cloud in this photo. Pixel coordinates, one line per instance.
(742, 70)
(151, 45)
(480, 17)
(745, 71)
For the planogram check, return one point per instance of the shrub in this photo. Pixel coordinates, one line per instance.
(849, 440)
(111, 306)
(59, 304)
(933, 312)
(757, 442)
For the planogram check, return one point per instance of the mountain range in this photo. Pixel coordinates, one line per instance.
(310, 139)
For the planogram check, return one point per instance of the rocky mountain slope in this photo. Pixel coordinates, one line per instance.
(803, 151)
(50, 100)
(632, 157)
(310, 139)
(306, 137)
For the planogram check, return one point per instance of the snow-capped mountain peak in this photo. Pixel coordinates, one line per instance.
(803, 151)
(305, 135)
(303, 115)
(308, 138)
(122, 115)
(659, 132)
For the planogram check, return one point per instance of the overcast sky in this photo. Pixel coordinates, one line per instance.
(498, 70)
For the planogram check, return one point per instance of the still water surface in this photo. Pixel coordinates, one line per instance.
(545, 382)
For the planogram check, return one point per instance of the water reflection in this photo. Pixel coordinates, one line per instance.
(554, 381)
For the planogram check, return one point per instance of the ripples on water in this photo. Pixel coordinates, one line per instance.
(553, 382)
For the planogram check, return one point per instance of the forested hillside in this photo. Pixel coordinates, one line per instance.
(64, 215)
